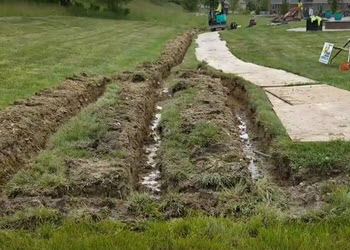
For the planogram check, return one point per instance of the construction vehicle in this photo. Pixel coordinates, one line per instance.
(217, 16)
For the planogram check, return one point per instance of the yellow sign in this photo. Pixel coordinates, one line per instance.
(326, 53)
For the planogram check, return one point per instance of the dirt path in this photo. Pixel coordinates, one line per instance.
(308, 112)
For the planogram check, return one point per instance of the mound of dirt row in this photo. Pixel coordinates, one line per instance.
(209, 172)
(128, 126)
(26, 126)
(112, 164)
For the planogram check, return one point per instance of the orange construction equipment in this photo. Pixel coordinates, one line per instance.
(292, 15)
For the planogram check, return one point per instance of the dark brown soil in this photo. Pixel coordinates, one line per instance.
(26, 126)
(129, 124)
(211, 176)
(102, 179)
(222, 156)
(304, 194)
(206, 170)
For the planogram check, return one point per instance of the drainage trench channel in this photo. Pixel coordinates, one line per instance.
(249, 147)
(149, 174)
(246, 134)
(150, 178)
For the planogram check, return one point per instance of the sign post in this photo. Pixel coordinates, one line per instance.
(326, 53)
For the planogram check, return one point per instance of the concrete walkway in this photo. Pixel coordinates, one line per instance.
(309, 112)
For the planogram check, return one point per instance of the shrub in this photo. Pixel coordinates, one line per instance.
(234, 5)
(190, 5)
(334, 6)
(264, 6)
(251, 6)
(284, 7)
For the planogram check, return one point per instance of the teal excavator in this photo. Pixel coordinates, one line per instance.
(217, 15)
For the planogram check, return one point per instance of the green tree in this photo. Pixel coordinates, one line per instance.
(234, 5)
(264, 5)
(190, 5)
(114, 5)
(251, 6)
(284, 7)
(334, 6)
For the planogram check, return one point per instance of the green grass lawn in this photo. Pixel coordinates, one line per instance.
(39, 52)
(41, 49)
(190, 233)
(296, 52)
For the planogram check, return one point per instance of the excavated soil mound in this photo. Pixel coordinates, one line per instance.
(26, 126)
(211, 159)
(129, 122)
(116, 154)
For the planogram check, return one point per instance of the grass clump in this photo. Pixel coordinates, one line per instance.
(143, 205)
(218, 181)
(30, 218)
(204, 134)
(173, 206)
(48, 172)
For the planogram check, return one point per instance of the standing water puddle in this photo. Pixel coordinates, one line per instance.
(150, 180)
(248, 148)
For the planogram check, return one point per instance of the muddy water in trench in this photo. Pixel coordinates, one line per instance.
(248, 147)
(151, 178)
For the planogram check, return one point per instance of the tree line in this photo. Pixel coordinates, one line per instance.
(113, 5)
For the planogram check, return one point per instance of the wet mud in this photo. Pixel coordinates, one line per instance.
(150, 179)
(192, 144)
(129, 127)
(209, 156)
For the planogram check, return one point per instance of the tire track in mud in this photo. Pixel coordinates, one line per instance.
(26, 126)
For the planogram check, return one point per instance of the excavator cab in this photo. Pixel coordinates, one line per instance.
(216, 17)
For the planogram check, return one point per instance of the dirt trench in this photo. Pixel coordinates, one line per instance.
(214, 157)
(26, 126)
(111, 170)
(129, 123)
(202, 160)
(207, 170)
